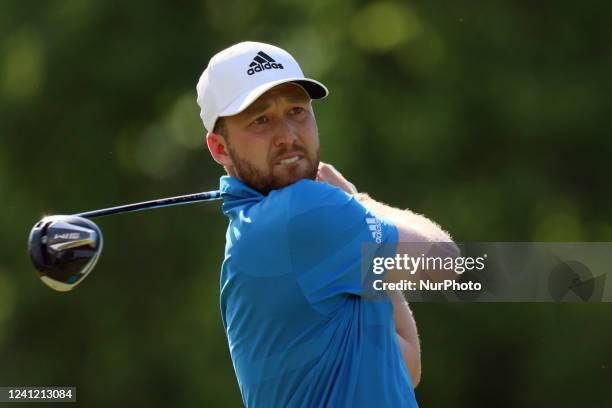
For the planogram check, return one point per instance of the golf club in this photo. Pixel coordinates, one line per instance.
(65, 248)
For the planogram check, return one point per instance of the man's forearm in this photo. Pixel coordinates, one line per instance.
(407, 335)
(426, 228)
(413, 227)
(426, 236)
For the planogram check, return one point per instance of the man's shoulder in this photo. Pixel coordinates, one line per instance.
(306, 195)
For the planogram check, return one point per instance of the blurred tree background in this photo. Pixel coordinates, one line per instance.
(489, 118)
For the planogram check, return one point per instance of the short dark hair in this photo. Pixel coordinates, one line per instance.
(220, 127)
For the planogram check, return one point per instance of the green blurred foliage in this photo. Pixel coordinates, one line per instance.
(487, 117)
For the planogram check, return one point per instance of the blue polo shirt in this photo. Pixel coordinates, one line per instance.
(300, 328)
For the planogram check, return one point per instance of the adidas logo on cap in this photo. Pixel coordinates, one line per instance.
(261, 62)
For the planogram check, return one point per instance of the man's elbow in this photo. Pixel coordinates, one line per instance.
(417, 379)
(411, 355)
(416, 370)
(437, 254)
(415, 373)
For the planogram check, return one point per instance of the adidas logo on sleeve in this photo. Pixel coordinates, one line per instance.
(375, 228)
(261, 62)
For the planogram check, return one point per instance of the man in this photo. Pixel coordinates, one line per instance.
(300, 328)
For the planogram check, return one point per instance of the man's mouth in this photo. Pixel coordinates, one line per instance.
(290, 158)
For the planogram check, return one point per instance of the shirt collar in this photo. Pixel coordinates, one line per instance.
(236, 194)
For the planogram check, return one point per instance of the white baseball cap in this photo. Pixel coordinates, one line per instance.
(238, 75)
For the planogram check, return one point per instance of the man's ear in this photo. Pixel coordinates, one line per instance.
(218, 149)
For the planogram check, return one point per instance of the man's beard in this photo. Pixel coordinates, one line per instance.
(264, 181)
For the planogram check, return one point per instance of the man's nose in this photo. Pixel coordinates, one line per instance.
(286, 133)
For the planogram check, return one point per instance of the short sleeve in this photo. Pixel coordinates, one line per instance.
(327, 233)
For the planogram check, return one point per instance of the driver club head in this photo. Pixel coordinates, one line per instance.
(64, 249)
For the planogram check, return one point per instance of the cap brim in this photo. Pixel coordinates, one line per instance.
(314, 89)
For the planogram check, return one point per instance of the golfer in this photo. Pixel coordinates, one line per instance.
(300, 329)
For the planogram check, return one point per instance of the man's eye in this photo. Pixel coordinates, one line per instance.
(261, 120)
(297, 110)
